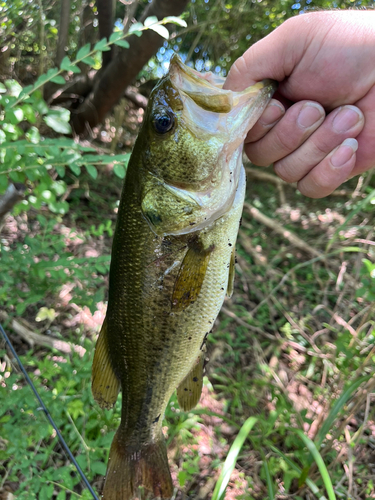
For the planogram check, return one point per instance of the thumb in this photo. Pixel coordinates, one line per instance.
(275, 57)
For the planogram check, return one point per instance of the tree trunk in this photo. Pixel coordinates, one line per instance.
(121, 71)
(105, 18)
(63, 31)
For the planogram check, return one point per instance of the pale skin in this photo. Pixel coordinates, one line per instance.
(319, 130)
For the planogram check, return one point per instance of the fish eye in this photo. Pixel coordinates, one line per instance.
(163, 121)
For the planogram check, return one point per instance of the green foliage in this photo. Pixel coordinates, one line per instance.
(230, 462)
(41, 265)
(64, 384)
(367, 288)
(26, 156)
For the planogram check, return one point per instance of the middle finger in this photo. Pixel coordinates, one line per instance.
(298, 123)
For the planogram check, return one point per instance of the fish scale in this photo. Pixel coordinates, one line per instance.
(172, 264)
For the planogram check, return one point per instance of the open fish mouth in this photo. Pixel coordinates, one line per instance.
(205, 102)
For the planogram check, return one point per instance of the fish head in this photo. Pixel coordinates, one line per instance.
(192, 140)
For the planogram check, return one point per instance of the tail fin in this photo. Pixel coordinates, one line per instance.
(128, 470)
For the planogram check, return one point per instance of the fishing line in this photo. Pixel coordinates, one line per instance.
(48, 415)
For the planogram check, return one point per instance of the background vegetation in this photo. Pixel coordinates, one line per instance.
(288, 394)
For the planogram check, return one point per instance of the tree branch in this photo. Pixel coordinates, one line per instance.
(123, 68)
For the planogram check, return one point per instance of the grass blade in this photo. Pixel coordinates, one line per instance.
(231, 459)
(313, 487)
(337, 407)
(319, 462)
(359, 207)
(271, 495)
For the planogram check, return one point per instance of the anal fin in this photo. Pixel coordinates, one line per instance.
(190, 389)
(232, 271)
(105, 385)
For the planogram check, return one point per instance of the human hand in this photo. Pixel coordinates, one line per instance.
(325, 62)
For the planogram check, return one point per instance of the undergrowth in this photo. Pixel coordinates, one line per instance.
(289, 386)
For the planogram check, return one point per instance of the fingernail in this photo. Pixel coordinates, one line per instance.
(309, 114)
(344, 152)
(272, 114)
(346, 118)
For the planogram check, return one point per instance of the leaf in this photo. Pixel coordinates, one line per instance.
(41, 107)
(136, 27)
(116, 35)
(76, 169)
(150, 20)
(337, 407)
(45, 313)
(58, 125)
(175, 20)
(310, 445)
(26, 91)
(33, 135)
(58, 120)
(60, 169)
(14, 87)
(83, 51)
(14, 116)
(230, 462)
(91, 170)
(99, 468)
(59, 80)
(294, 468)
(46, 492)
(102, 45)
(90, 61)
(2, 89)
(65, 63)
(122, 43)
(119, 170)
(160, 30)
(270, 489)
(29, 113)
(61, 495)
(74, 69)
(3, 182)
(59, 207)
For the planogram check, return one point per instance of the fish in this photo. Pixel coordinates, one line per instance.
(173, 262)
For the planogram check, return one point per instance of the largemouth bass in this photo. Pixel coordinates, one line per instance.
(172, 264)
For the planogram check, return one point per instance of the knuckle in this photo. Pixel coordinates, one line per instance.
(256, 156)
(286, 172)
(285, 141)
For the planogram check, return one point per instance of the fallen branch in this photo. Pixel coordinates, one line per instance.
(279, 229)
(242, 322)
(33, 338)
(266, 177)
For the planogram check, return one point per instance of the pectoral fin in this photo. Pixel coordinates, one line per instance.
(232, 263)
(189, 391)
(105, 385)
(191, 275)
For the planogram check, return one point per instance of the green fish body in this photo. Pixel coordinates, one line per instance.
(172, 264)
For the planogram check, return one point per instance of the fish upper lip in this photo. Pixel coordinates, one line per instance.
(206, 90)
